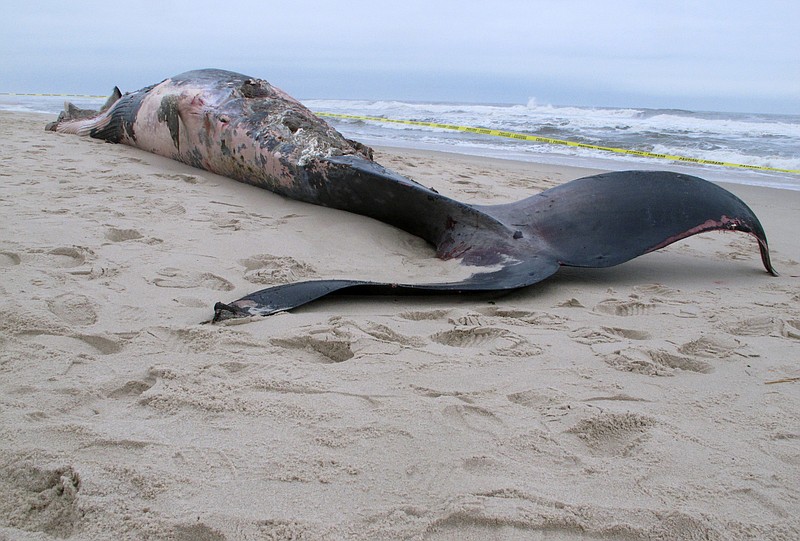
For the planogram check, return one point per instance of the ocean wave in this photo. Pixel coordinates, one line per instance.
(672, 120)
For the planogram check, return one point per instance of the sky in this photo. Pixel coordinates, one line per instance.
(714, 55)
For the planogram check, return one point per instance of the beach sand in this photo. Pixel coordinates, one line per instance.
(655, 400)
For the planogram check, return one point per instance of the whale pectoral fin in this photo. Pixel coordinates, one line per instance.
(287, 296)
(605, 220)
(73, 112)
(275, 299)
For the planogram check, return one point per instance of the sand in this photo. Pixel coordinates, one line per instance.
(656, 400)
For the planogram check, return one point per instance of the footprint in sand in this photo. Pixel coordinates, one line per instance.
(340, 339)
(737, 250)
(121, 235)
(9, 259)
(73, 308)
(538, 399)
(614, 434)
(493, 316)
(469, 319)
(174, 210)
(571, 303)
(334, 346)
(268, 269)
(77, 343)
(464, 396)
(63, 257)
(70, 258)
(226, 223)
(103, 344)
(511, 316)
(206, 339)
(606, 335)
(716, 347)
(469, 337)
(617, 307)
(388, 335)
(41, 498)
(424, 315)
(189, 179)
(495, 340)
(191, 302)
(654, 362)
(765, 326)
(474, 418)
(176, 278)
(792, 329)
(134, 388)
(657, 290)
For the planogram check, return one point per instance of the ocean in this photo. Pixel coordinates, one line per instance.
(762, 140)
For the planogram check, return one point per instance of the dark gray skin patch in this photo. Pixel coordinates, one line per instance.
(169, 113)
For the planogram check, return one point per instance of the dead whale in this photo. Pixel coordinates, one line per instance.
(246, 129)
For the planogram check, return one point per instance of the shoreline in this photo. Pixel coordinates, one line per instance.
(655, 399)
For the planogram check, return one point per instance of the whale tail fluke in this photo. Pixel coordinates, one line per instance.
(607, 219)
(73, 113)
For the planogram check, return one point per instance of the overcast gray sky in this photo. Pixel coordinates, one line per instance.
(724, 55)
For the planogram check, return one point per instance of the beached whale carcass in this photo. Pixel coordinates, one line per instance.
(244, 128)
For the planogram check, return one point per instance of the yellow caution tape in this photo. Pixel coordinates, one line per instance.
(53, 95)
(550, 141)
